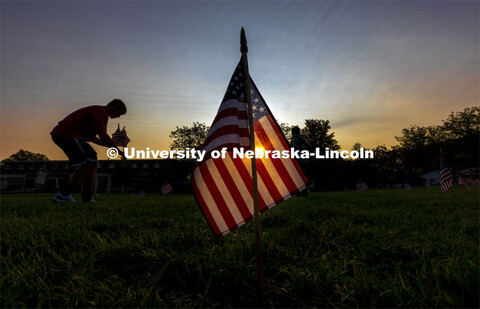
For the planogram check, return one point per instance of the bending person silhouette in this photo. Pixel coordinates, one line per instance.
(88, 124)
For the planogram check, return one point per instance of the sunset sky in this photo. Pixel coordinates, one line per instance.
(371, 68)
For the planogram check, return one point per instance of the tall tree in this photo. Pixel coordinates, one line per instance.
(462, 130)
(357, 146)
(415, 137)
(458, 137)
(419, 147)
(287, 130)
(317, 134)
(25, 155)
(189, 137)
(464, 123)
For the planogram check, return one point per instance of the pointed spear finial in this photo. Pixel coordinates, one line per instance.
(243, 42)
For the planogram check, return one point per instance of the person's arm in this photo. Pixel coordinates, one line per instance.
(97, 141)
(104, 139)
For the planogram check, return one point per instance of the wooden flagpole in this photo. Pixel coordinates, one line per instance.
(256, 212)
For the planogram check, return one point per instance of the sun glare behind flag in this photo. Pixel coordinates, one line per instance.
(223, 187)
(446, 181)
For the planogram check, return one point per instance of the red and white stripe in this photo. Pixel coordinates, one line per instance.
(120, 138)
(229, 128)
(223, 187)
(446, 181)
(461, 181)
(166, 188)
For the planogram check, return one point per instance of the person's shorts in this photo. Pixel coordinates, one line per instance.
(78, 151)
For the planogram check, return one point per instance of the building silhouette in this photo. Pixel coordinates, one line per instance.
(113, 176)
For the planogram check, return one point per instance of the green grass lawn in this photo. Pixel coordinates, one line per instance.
(379, 248)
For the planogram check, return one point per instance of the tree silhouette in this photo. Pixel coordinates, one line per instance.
(189, 137)
(316, 134)
(25, 155)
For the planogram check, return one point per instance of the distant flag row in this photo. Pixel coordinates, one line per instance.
(446, 179)
(446, 182)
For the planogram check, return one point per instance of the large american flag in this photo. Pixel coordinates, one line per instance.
(223, 187)
(446, 181)
(120, 138)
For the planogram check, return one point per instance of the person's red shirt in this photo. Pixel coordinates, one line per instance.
(82, 123)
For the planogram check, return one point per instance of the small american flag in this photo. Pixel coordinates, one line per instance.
(120, 138)
(142, 193)
(407, 186)
(446, 181)
(461, 181)
(166, 188)
(223, 187)
(361, 186)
